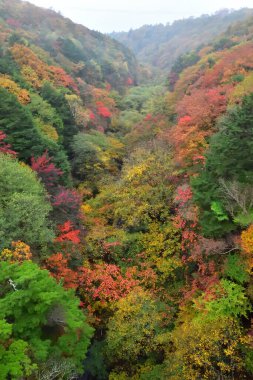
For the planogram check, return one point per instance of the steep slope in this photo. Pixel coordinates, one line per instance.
(129, 213)
(203, 92)
(180, 214)
(58, 106)
(92, 56)
(160, 45)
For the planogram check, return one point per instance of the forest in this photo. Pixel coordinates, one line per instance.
(158, 46)
(126, 207)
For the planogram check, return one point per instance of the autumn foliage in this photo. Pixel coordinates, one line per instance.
(68, 233)
(4, 147)
(46, 170)
(19, 252)
(136, 201)
(58, 265)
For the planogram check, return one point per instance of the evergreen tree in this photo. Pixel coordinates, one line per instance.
(223, 187)
(23, 206)
(45, 318)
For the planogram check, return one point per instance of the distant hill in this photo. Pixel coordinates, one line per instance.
(94, 57)
(160, 45)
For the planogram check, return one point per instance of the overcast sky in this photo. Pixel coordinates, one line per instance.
(117, 15)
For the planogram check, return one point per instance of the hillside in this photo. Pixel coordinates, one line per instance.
(126, 212)
(180, 218)
(160, 45)
(90, 55)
